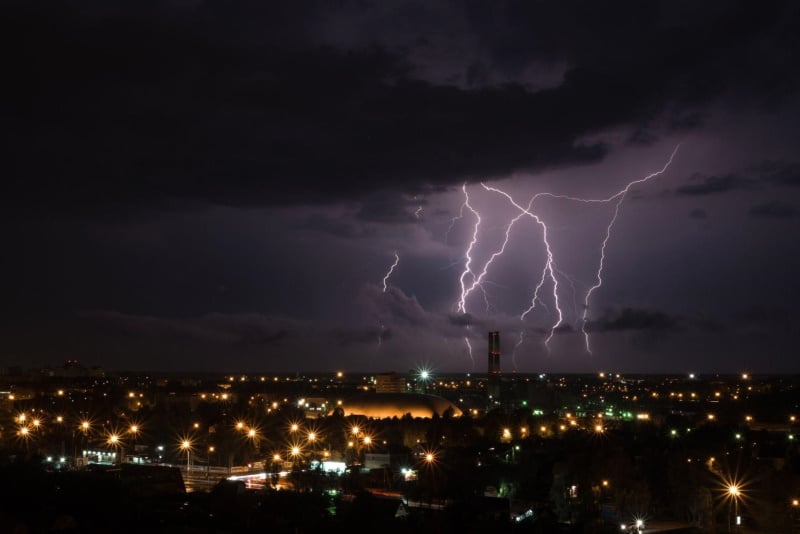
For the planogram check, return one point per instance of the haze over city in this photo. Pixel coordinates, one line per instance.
(212, 186)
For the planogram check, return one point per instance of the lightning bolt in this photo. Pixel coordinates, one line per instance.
(391, 270)
(478, 280)
(620, 197)
(473, 278)
(516, 346)
(461, 305)
(469, 351)
(549, 267)
(454, 219)
(417, 212)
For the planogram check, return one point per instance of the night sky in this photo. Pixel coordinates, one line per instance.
(223, 185)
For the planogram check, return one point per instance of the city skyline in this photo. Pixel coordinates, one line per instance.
(367, 186)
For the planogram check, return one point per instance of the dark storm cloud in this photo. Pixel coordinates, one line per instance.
(782, 173)
(389, 208)
(343, 227)
(773, 210)
(234, 330)
(698, 213)
(462, 319)
(765, 317)
(239, 104)
(633, 319)
(711, 185)
(361, 336)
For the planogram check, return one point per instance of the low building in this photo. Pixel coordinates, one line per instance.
(388, 405)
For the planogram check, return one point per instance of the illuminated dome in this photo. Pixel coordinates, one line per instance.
(386, 405)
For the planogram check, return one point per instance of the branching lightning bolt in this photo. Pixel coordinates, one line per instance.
(549, 268)
(389, 273)
(460, 306)
(470, 281)
(454, 219)
(478, 280)
(620, 196)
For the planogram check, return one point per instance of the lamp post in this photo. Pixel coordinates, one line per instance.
(187, 446)
(114, 441)
(134, 430)
(733, 495)
(276, 464)
(84, 428)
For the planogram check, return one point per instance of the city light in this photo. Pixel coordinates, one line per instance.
(186, 445)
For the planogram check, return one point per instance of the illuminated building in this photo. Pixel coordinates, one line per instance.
(388, 405)
(494, 367)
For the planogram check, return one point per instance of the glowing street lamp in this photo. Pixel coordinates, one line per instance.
(134, 429)
(187, 446)
(113, 440)
(734, 492)
(296, 452)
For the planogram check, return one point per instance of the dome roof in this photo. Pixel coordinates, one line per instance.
(386, 405)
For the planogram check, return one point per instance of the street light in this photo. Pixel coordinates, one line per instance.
(114, 441)
(295, 451)
(187, 446)
(134, 429)
(734, 492)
